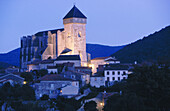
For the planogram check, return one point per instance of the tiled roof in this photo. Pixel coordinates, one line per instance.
(116, 67)
(83, 68)
(68, 57)
(54, 77)
(99, 58)
(11, 77)
(34, 63)
(47, 61)
(51, 67)
(75, 12)
(46, 32)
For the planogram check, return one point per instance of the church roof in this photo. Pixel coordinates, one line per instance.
(75, 12)
(66, 50)
(46, 32)
(68, 57)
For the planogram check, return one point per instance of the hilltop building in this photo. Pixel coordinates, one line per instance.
(70, 40)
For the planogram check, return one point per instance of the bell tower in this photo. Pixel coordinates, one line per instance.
(75, 33)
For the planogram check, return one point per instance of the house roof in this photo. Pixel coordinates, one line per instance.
(46, 32)
(83, 68)
(11, 77)
(55, 77)
(47, 61)
(75, 12)
(111, 59)
(34, 63)
(68, 57)
(116, 67)
(99, 58)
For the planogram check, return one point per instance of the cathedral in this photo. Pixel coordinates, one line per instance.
(70, 40)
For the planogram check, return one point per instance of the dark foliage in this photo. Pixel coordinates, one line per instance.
(44, 97)
(154, 48)
(28, 76)
(148, 88)
(19, 106)
(16, 92)
(90, 106)
(65, 104)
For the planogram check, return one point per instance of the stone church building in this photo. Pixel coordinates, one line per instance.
(71, 40)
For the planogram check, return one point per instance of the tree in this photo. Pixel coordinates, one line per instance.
(64, 104)
(90, 106)
(28, 76)
(44, 97)
(148, 88)
(42, 72)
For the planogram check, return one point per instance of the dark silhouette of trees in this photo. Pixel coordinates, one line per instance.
(66, 104)
(28, 76)
(148, 88)
(90, 106)
(16, 92)
(44, 97)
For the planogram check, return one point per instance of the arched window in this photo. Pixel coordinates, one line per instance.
(79, 34)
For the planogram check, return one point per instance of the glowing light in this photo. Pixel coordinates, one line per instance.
(90, 65)
(61, 91)
(102, 104)
(24, 82)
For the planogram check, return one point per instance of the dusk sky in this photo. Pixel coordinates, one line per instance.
(109, 22)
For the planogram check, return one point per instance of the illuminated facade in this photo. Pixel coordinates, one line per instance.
(71, 40)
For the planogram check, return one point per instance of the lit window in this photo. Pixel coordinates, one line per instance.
(79, 34)
(68, 35)
(52, 85)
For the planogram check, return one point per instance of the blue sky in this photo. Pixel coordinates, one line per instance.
(109, 22)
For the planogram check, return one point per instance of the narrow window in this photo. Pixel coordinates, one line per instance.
(107, 78)
(107, 72)
(119, 78)
(118, 73)
(79, 34)
(113, 78)
(113, 73)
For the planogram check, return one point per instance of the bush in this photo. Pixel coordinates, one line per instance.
(90, 106)
(44, 97)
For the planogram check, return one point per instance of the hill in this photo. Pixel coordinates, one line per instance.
(12, 57)
(155, 47)
(4, 65)
(96, 50)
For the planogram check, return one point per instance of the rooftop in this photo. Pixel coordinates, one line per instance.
(116, 67)
(99, 58)
(68, 57)
(46, 32)
(75, 12)
(55, 77)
